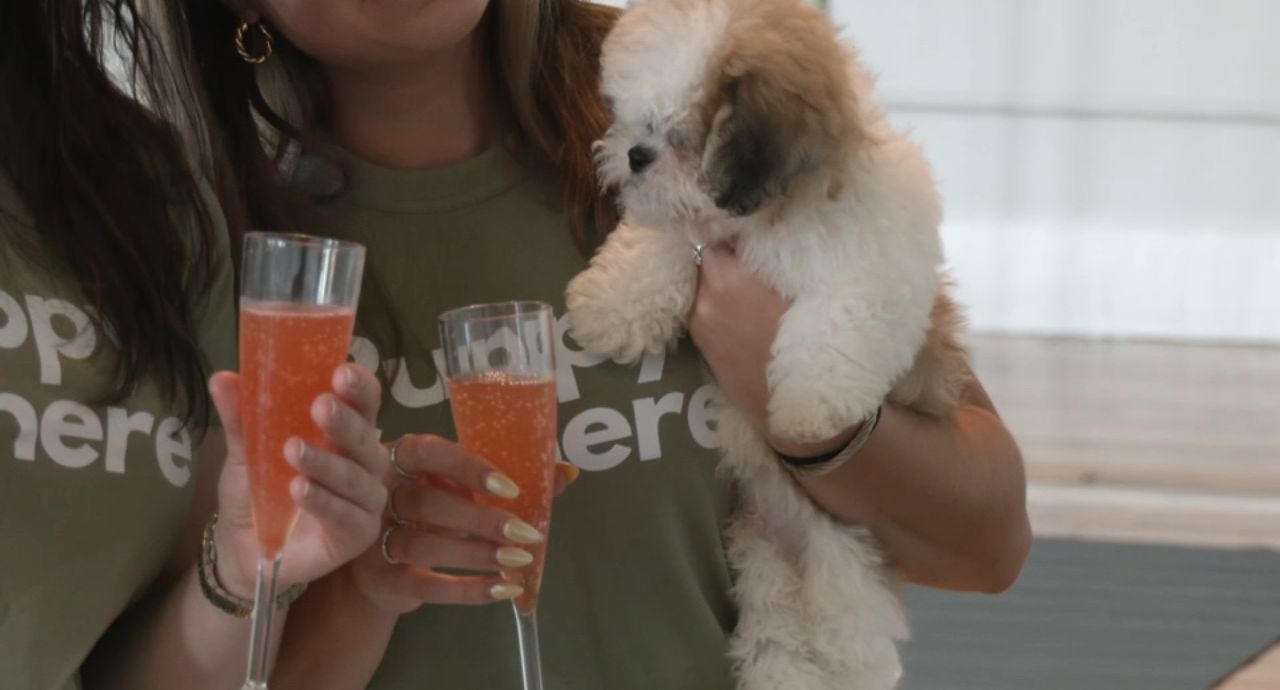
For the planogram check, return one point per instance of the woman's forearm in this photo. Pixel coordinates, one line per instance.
(173, 637)
(183, 641)
(336, 638)
(946, 498)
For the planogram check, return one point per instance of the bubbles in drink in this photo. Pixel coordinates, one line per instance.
(510, 419)
(287, 357)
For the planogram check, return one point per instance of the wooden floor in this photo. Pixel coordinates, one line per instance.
(1146, 443)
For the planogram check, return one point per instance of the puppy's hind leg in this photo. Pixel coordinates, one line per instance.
(834, 360)
(940, 371)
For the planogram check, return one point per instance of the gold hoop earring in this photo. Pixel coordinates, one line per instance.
(268, 42)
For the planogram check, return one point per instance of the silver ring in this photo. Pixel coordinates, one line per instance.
(395, 448)
(387, 537)
(697, 253)
(391, 507)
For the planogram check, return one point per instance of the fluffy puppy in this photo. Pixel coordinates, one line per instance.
(748, 121)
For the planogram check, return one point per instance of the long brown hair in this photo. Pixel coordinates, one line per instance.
(545, 54)
(549, 55)
(109, 188)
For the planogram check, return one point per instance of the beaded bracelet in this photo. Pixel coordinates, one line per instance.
(216, 594)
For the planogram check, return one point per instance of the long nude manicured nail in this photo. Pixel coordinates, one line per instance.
(514, 557)
(500, 485)
(570, 471)
(504, 592)
(521, 532)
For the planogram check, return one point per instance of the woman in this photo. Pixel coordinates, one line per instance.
(116, 300)
(453, 138)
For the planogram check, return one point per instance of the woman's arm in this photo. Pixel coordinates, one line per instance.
(945, 497)
(174, 637)
(336, 638)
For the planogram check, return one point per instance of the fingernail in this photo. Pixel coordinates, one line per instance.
(500, 485)
(294, 450)
(570, 470)
(521, 532)
(324, 409)
(298, 488)
(504, 592)
(349, 377)
(514, 557)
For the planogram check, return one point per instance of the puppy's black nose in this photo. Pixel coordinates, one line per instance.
(640, 157)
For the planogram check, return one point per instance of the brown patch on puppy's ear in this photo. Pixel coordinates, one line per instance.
(780, 106)
(744, 159)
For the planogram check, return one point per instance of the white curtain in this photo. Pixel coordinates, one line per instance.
(1110, 168)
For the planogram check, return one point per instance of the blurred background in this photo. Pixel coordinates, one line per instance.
(1112, 178)
(1111, 171)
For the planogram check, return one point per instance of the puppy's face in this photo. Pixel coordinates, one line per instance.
(722, 107)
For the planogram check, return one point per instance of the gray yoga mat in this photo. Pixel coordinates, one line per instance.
(1092, 616)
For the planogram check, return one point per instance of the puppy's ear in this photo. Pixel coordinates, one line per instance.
(779, 105)
(744, 161)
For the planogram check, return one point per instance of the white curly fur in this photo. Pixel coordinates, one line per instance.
(861, 266)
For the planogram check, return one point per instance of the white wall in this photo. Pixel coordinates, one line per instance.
(1111, 168)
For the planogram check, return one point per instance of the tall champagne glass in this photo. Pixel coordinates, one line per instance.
(500, 368)
(297, 308)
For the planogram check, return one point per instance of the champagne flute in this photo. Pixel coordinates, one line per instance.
(500, 369)
(297, 309)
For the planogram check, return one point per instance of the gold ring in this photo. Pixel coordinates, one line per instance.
(395, 448)
(386, 537)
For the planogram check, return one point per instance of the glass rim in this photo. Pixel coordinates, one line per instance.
(300, 239)
(509, 309)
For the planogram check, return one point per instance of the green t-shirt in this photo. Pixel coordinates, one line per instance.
(92, 496)
(636, 589)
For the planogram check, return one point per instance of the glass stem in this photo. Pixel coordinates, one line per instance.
(264, 608)
(530, 656)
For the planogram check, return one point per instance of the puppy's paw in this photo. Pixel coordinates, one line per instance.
(600, 324)
(634, 297)
(809, 410)
(803, 417)
(620, 327)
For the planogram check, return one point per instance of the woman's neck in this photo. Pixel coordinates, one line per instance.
(429, 115)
